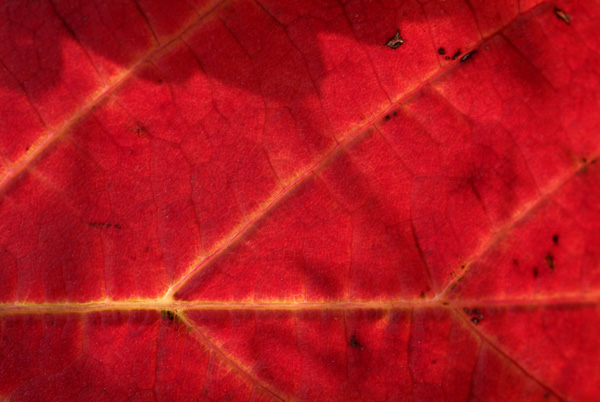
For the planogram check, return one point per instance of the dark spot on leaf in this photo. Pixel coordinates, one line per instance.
(468, 56)
(475, 311)
(395, 41)
(550, 261)
(355, 343)
(387, 116)
(26, 148)
(515, 261)
(168, 314)
(547, 395)
(456, 54)
(117, 226)
(395, 114)
(140, 130)
(52, 323)
(466, 310)
(160, 80)
(475, 320)
(422, 295)
(555, 239)
(535, 272)
(442, 51)
(447, 57)
(434, 361)
(463, 267)
(563, 16)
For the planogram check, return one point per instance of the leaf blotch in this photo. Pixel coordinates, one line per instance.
(355, 343)
(456, 54)
(550, 261)
(442, 51)
(564, 17)
(170, 316)
(535, 272)
(467, 56)
(555, 239)
(395, 41)
(475, 320)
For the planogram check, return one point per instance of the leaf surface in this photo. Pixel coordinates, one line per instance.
(262, 201)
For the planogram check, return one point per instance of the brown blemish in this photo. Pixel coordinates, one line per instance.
(456, 54)
(355, 343)
(442, 51)
(550, 261)
(140, 130)
(395, 41)
(564, 17)
(535, 272)
(170, 315)
(555, 239)
(468, 56)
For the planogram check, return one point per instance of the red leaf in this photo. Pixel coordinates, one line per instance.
(293, 200)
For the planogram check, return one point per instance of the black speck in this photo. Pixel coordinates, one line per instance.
(447, 57)
(442, 51)
(168, 314)
(52, 323)
(550, 261)
(117, 226)
(26, 148)
(387, 116)
(355, 343)
(456, 54)
(140, 130)
(395, 114)
(467, 56)
(547, 395)
(475, 311)
(535, 272)
(160, 80)
(466, 310)
(475, 320)
(555, 239)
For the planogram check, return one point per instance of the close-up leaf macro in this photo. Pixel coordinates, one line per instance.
(299, 200)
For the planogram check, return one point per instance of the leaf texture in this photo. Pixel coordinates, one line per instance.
(266, 201)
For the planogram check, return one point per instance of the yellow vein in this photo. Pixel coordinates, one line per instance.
(53, 135)
(525, 211)
(318, 165)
